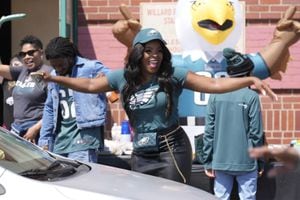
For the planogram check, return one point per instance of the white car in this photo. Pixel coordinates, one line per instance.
(28, 172)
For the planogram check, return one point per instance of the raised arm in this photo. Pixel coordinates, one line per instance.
(212, 85)
(88, 85)
(276, 53)
(125, 30)
(5, 72)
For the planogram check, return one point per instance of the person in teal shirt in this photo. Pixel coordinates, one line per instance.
(150, 87)
(233, 125)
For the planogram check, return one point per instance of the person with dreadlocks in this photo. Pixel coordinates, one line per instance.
(72, 124)
(149, 88)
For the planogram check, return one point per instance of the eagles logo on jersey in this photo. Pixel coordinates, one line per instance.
(142, 98)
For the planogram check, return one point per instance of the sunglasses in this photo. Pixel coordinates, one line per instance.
(29, 53)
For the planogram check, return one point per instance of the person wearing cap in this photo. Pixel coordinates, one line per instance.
(149, 89)
(233, 125)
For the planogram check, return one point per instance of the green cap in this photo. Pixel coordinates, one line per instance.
(147, 35)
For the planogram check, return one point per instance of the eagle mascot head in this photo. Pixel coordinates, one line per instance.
(208, 25)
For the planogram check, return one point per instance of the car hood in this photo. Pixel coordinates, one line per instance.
(124, 184)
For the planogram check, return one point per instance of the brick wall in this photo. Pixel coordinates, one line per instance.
(281, 118)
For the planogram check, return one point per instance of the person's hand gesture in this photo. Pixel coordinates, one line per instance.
(264, 88)
(287, 29)
(46, 76)
(287, 33)
(125, 30)
(287, 157)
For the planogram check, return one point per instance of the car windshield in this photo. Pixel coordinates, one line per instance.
(27, 159)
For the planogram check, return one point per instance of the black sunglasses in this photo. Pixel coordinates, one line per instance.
(30, 53)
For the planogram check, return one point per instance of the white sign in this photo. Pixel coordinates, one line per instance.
(161, 16)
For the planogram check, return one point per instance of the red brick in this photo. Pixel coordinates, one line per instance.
(268, 134)
(270, 1)
(286, 140)
(277, 134)
(265, 99)
(277, 106)
(270, 15)
(274, 141)
(115, 16)
(97, 2)
(88, 10)
(249, 2)
(288, 135)
(297, 120)
(161, 1)
(266, 106)
(256, 8)
(295, 2)
(290, 121)
(291, 99)
(118, 2)
(297, 134)
(137, 2)
(276, 120)
(264, 117)
(96, 16)
(278, 8)
(269, 120)
(252, 15)
(109, 9)
(284, 120)
(287, 106)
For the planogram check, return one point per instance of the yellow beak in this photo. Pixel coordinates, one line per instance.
(213, 19)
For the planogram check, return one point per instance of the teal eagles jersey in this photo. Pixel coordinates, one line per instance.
(148, 104)
(193, 103)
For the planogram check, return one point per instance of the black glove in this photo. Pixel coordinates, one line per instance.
(238, 65)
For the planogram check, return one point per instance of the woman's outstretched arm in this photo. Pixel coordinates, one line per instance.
(88, 85)
(220, 85)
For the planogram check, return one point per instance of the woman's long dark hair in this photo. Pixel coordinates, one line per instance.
(133, 77)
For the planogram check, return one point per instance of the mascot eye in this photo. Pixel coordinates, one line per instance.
(230, 4)
(195, 4)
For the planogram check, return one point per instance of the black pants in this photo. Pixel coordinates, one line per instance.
(162, 164)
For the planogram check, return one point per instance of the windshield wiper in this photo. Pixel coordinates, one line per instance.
(53, 165)
(55, 170)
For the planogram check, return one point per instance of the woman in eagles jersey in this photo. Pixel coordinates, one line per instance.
(150, 88)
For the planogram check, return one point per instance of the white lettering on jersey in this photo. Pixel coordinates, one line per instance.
(200, 98)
